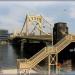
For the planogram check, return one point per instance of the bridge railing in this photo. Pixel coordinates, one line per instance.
(62, 46)
(63, 39)
(39, 57)
(73, 38)
(46, 51)
(63, 43)
(37, 54)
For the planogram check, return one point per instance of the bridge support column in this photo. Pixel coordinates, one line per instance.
(52, 63)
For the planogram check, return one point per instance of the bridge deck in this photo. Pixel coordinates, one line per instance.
(37, 37)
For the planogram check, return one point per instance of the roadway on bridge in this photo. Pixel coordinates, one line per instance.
(37, 37)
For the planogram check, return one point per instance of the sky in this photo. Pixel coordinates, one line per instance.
(13, 13)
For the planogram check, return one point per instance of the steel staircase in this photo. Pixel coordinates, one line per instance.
(42, 54)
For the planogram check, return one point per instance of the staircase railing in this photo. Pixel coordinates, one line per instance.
(62, 46)
(60, 43)
(34, 56)
(33, 61)
(39, 58)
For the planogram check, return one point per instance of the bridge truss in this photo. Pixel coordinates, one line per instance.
(52, 52)
(37, 25)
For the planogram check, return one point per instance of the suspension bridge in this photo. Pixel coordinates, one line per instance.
(37, 28)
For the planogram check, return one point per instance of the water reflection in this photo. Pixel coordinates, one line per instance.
(7, 56)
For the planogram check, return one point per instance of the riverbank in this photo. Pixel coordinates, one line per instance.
(12, 71)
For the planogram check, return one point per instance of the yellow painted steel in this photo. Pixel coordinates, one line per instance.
(37, 19)
(45, 52)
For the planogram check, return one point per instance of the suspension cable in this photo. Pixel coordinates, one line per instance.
(40, 28)
(24, 24)
(43, 31)
(46, 21)
(33, 29)
(35, 26)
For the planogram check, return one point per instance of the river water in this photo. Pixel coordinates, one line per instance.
(8, 56)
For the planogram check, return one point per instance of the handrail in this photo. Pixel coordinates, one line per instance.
(37, 54)
(45, 51)
(60, 41)
(72, 38)
(63, 45)
(45, 47)
(37, 59)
